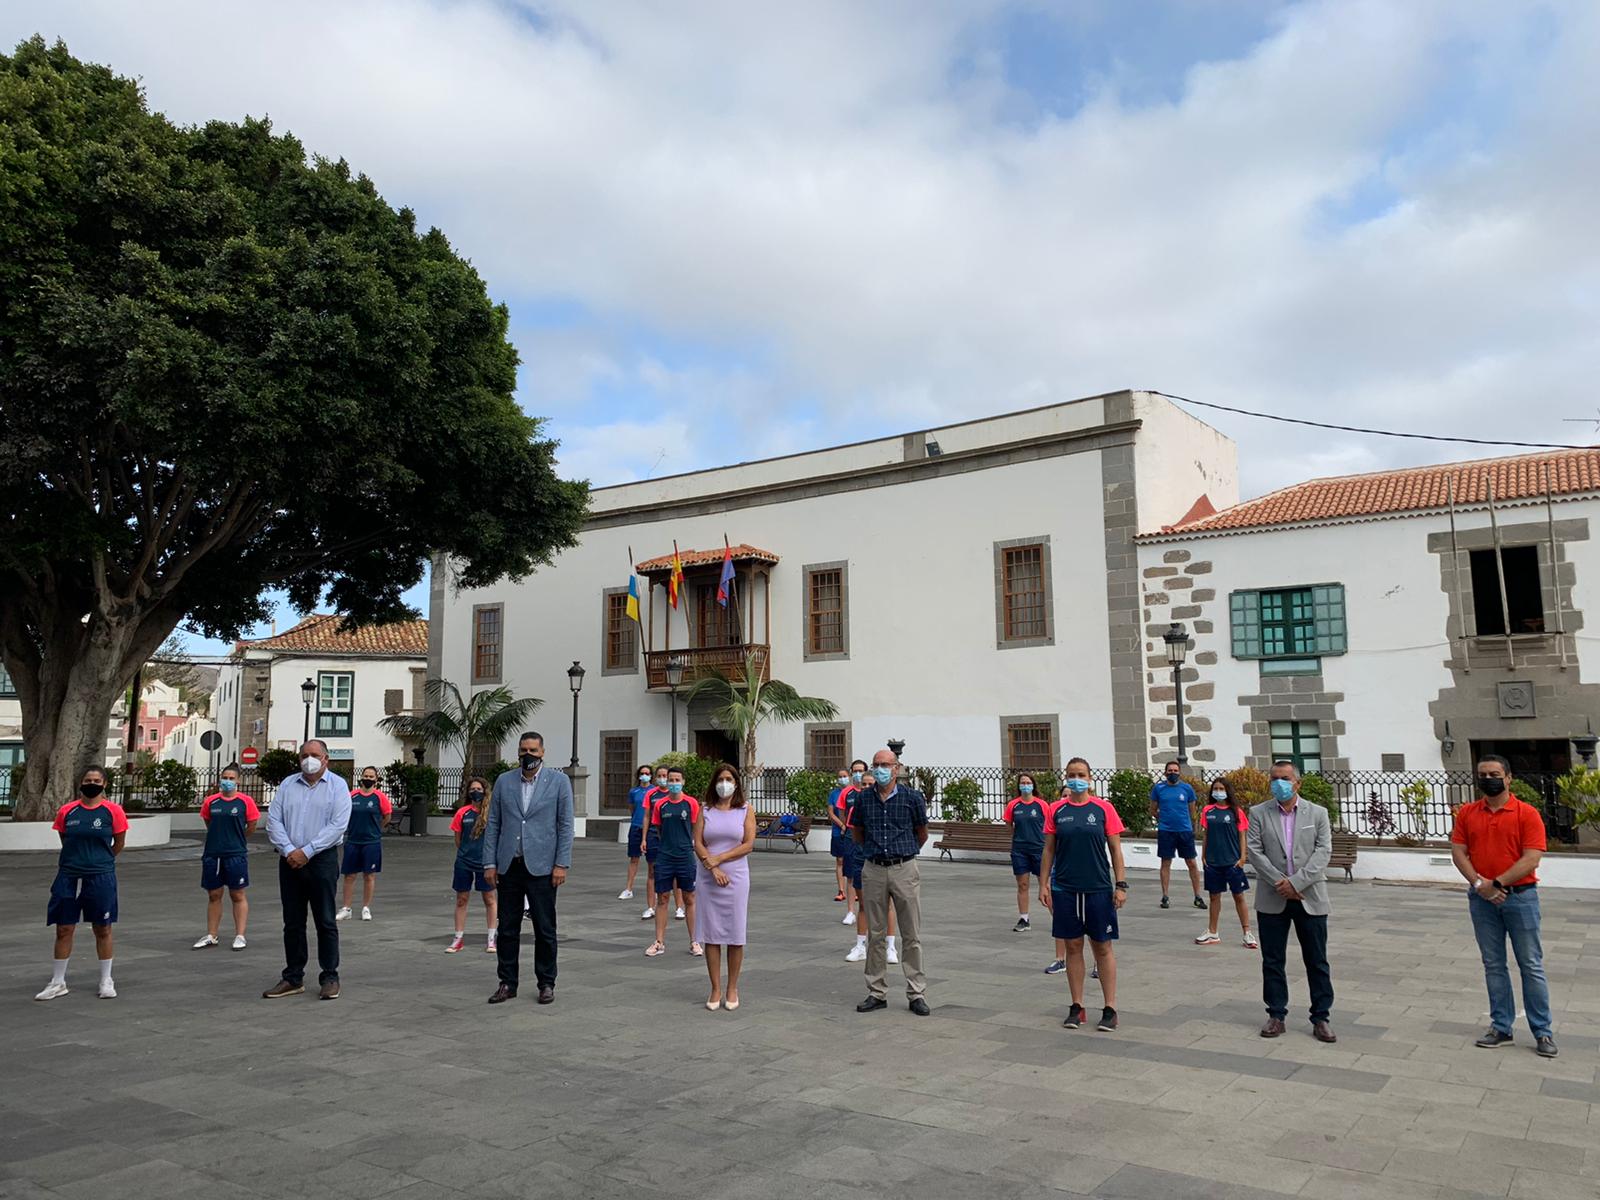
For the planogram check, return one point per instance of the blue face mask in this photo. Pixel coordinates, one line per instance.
(228, 785)
(882, 774)
(675, 787)
(1079, 786)
(1025, 788)
(1282, 790)
(855, 776)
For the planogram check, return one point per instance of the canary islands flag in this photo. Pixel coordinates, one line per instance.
(633, 599)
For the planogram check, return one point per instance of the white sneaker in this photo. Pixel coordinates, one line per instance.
(625, 894)
(52, 991)
(238, 941)
(208, 940)
(1208, 939)
(1250, 942)
(858, 953)
(648, 915)
(108, 990)
(489, 946)
(366, 914)
(679, 913)
(849, 919)
(343, 914)
(894, 954)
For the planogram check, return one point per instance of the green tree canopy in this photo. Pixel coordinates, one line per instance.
(226, 368)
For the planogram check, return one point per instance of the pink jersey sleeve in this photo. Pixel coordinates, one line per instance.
(384, 806)
(655, 812)
(205, 808)
(251, 812)
(1010, 808)
(455, 821)
(119, 819)
(60, 823)
(1114, 823)
(694, 809)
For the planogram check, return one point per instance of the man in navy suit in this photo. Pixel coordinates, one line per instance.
(527, 840)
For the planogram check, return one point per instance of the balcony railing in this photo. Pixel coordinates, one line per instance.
(727, 661)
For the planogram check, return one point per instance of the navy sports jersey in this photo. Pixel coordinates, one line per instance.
(368, 811)
(1027, 817)
(673, 820)
(1173, 806)
(227, 817)
(87, 835)
(845, 805)
(1082, 860)
(1224, 827)
(470, 853)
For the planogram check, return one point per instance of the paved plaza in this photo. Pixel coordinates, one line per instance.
(410, 1086)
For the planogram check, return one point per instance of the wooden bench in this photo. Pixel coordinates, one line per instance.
(992, 836)
(767, 829)
(1344, 853)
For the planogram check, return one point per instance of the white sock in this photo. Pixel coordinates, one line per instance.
(1023, 917)
(105, 970)
(891, 941)
(58, 970)
(861, 939)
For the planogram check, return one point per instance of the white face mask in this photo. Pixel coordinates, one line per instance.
(310, 765)
(725, 788)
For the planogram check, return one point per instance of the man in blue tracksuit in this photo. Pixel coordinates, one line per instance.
(1172, 805)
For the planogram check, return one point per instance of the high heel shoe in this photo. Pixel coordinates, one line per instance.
(713, 1005)
(731, 1005)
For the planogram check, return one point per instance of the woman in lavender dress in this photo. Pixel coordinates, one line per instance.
(723, 837)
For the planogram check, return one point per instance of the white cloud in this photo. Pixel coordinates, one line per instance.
(806, 179)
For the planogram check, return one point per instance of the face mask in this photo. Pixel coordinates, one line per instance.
(855, 776)
(1077, 786)
(675, 787)
(1025, 788)
(90, 790)
(1172, 777)
(530, 761)
(310, 765)
(475, 795)
(1491, 785)
(644, 781)
(1282, 789)
(228, 785)
(369, 784)
(661, 781)
(725, 788)
(883, 774)
(1219, 796)
(843, 781)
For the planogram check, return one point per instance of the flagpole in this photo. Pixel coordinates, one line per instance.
(632, 575)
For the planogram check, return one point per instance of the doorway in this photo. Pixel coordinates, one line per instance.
(716, 745)
(1529, 757)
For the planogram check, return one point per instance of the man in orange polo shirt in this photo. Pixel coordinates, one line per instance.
(1496, 844)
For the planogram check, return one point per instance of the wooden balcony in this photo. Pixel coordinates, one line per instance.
(727, 661)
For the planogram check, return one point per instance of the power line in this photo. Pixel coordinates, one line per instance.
(1423, 437)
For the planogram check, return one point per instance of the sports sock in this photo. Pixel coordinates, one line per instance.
(58, 970)
(105, 970)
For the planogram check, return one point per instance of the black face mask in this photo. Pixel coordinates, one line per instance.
(475, 795)
(1491, 785)
(530, 761)
(90, 790)
(369, 783)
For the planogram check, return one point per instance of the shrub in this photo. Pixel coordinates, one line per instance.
(1377, 817)
(416, 781)
(962, 799)
(808, 791)
(171, 785)
(276, 765)
(926, 781)
(1579, 790)
(1130, 796)
(1250, 786)
(697, 771)
(1319, 791)
(1415, 797)
(1527, 793)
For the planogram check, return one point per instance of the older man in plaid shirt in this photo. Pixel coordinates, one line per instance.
(890, 825)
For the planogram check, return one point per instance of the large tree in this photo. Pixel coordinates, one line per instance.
(226, 367)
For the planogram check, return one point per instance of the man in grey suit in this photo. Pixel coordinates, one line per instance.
(527, 840)
(1289, 844)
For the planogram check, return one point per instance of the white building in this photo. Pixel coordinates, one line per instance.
(356, 678)
(971, 589)
(1342, 623)
(182, 744)
(10, 732)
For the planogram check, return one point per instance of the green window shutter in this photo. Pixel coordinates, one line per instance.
(1244, 611)
(1328, 610)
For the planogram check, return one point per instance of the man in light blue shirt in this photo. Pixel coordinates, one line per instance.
(306, 823)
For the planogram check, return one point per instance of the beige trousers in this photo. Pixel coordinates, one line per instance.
(900, 884)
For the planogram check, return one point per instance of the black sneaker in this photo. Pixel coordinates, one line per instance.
(1546, 1048)
(1056, 967)
(872, 1004)
(1493, 1038)
(1075, 1017)
(1108, 1021)
(1199, 903)
(1166, 903)
(1021, 926)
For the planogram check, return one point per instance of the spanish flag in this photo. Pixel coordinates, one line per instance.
(675, 580)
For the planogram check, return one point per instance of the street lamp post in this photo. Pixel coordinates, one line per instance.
(575, 682)
(674, 679)
(896, 745)
(308, 692)
(1177, 639)
(1585, 743)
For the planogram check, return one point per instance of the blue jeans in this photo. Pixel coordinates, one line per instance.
(1519, 918)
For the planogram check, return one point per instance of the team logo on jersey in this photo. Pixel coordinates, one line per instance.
(1089, 817)
(97, 822)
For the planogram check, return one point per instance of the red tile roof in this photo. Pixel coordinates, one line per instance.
(320, 633)
(706, 558)
(1413, 489)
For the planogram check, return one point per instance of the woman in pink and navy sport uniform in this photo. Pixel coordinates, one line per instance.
(674, 817)
(468, 876)
(1025, 814)
(92, 832)
(230, 818)
(1086, 885)
(1225, 823)
(363, 842)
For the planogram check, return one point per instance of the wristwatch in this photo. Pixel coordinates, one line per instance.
(1122, 885)
(1500, 885)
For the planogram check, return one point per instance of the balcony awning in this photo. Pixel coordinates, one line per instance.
(700, 559)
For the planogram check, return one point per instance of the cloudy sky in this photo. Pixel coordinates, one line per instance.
(739, 229)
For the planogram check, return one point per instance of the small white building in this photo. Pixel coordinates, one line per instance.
(355, 679)
(182, 745)
(971, 589)
(1359, 623)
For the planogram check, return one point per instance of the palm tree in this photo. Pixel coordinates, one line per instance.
(742, 706)
(453, 723)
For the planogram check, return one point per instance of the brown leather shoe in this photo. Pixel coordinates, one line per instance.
(502, 994)
(547, 993)
(1323, 1032)
(1273, 1028)
(330, 991)
(281, 989)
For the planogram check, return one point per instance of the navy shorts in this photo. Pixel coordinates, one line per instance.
(91, 898)
(1083, 914)
(636, 843)
(837, 844)
(365, 859)
(851, 862)
(1226, 879)
(674, 872)
(1171, 842)
(465, 879)
(228, 870)
(1025, 862)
